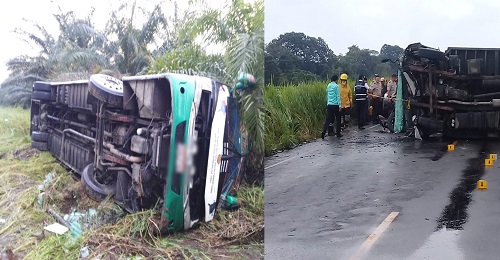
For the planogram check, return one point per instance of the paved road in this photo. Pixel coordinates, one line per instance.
(325, 198)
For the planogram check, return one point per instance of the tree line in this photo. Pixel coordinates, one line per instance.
(294, 57)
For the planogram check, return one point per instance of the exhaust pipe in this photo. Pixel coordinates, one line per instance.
(128, 157)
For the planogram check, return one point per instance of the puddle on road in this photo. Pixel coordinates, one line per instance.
(454, 214)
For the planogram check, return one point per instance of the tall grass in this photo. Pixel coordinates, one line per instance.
(294, 113)
(21, 172)
(14, 128)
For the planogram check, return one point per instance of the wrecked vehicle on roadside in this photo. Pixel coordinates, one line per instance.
(455, 93)
(169, 142)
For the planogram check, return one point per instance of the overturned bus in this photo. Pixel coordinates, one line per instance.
(455, 93)
(170, 142)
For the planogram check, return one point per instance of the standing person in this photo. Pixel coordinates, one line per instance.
(392, 86)
(333, 106)
(361, 90)
(345, 98)
(376, 91)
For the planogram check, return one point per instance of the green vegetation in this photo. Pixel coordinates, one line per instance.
(294, 58)
(113, 234)
(294, 113)
(21, 171)
(14, 129)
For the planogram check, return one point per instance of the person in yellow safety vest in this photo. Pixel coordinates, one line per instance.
(346, 99)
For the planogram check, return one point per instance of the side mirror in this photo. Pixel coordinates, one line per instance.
(385, 60)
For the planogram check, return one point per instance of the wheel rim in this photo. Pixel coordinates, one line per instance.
(107, 83)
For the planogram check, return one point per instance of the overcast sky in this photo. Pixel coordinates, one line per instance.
(371, 24)
(12, 14)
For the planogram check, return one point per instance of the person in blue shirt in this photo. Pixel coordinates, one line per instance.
(333, 106)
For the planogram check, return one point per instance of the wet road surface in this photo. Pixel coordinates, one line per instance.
(325, 198)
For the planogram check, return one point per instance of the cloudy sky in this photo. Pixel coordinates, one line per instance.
(12, 16)
(371, 24)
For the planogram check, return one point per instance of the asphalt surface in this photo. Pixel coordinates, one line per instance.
(324, 199)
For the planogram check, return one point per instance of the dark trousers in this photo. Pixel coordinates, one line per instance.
(361, 106)
(343, 113)
(332, 112)
(377, 109)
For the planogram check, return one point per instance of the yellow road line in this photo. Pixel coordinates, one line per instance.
(365, 247)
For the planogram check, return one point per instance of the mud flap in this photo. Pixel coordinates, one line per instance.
(399, 109)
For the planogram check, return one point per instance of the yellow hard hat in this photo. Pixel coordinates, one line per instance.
(343, 77)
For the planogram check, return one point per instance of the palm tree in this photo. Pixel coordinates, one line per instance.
(240, 29)
(189, 59)
(130, 51)
(76, 50)
(82, 44)
(81, 50)
(24, 70)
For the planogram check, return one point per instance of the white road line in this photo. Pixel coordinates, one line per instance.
(271, 166)
(365, 247)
